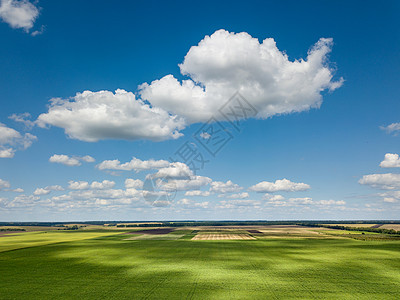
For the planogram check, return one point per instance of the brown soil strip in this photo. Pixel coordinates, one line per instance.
(222, 236)
(4, 233)
(253, 231)
(376, 226)
(158, 237)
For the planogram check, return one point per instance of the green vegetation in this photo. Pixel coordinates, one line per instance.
(40, 238)
(104, 265)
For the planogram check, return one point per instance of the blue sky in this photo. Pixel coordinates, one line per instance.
(323, 145)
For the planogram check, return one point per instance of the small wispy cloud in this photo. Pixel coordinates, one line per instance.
(393, 128)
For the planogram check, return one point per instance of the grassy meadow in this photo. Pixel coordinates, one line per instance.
(295, 264)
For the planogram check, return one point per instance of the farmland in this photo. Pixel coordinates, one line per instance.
(203, 262)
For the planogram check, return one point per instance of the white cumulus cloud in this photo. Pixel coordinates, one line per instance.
(175, 170)
(390, 161)
(133, 183)
(11, 141)
(330, 202)
(387, 181)
(390, 200)
(47, 190)
(70, 160)
(304, 201)
(216, 68)
(194, 183)
(7, 153)
(87, 158)
(272, 198)
(64, 159)
(41, 191)
(283, 185)
(78, 185)
(93, 116)
(243, 195)
(105, 184)
(239, 204)
(225, 187)
(134, 165)
(188, 203)
(226, 62)
(95, 185)
(198, 193)
(18, 13)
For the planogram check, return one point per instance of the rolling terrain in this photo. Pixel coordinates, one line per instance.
(229, 262)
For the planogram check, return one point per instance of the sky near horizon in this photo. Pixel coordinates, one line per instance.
(263, 110)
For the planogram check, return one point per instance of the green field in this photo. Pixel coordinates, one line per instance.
(105, 265)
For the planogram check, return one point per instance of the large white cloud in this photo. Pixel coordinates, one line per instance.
(283, 185)
(388, 181)
(18, 14)
(219, 66)
(390, 161)
(134, 165)
(11, 140)
(93, 116)
(225, 62)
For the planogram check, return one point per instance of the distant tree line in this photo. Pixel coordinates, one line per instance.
(341, 227)
(198, 223)
(74, 227)
(207, 223)
(12, 229)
